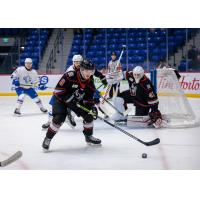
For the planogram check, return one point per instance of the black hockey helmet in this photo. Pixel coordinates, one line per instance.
(113, 53)
(86, 64)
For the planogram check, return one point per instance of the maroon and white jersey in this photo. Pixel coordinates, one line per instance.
(72, 81)
(143, 93)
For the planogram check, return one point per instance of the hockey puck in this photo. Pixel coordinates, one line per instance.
(144, 155)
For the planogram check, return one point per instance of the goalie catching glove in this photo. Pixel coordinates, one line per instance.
(156, 118)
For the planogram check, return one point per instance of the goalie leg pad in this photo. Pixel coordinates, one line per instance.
(138, 121)
(119, 104)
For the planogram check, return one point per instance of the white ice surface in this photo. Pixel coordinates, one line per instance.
(179, 148)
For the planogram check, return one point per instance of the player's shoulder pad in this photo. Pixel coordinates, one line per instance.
(70, 74)
(70, 68)
(34, 71)
(20, 68)
(129, 76)
(146, 81)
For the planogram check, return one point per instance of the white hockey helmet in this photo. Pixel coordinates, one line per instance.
(28, 60)
(138, 73)
(77, 58)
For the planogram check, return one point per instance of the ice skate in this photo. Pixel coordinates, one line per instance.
(92, 140)
(17, 112)
(46, 125)
(44, 110)
(46, 144)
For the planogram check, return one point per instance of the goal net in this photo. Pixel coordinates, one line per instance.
(173, 104)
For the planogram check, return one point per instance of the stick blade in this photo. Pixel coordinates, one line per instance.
(153, 142)
(11, 159)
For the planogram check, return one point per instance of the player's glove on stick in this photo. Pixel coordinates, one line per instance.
(16, 82)
(94, 112)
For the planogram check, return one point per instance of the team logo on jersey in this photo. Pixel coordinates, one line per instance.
(133, 90)
(74, 86)
(151, 95)
(27, 79)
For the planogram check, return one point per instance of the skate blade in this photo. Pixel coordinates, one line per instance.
(45, 150)
(45, 128)
(93, 145)
(17, 115)
(44, 112)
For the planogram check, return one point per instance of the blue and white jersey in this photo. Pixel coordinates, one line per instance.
(27, 79)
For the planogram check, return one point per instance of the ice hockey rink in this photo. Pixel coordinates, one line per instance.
(179, 148)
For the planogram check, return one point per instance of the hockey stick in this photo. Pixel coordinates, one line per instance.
(11, 159)
(125, 113)
(29, 85)
(99, 86)
(151, 143)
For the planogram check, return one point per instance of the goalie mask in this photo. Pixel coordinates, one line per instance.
(138, 73)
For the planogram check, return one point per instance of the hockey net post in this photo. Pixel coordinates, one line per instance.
(173, 104)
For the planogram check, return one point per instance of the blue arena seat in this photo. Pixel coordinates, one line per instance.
(135, 39)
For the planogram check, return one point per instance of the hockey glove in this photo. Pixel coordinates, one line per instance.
(105, 83)
(16, 82)
(156, 118)
(42, 87)
(97, 96)
(94, 112)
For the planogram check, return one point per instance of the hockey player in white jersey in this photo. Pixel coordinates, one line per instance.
(77, 59)
(25, 80)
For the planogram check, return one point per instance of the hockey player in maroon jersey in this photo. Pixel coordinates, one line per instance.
(77, 59)
(141, 93)
(74, 87)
